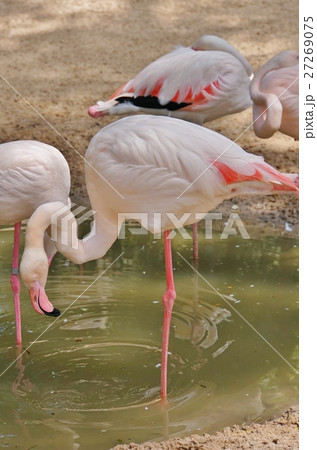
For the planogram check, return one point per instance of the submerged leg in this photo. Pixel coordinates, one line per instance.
(168, 302)
(15, 283)
(195, 241)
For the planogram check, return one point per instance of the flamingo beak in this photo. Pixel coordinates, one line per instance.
(94, 111)
(40, 301)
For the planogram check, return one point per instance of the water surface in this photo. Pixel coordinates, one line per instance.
(91, 377)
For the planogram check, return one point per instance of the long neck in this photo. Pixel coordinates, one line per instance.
(233, 51)
(64, 231)
(216, 43)
(267, 116)
(38, 251)
(38, 224)
(267, 109)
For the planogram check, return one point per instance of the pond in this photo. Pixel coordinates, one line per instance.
(91, 377)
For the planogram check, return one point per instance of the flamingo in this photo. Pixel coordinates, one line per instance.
(165, 168)
(198, 84)
(274, 92)
(32, 174)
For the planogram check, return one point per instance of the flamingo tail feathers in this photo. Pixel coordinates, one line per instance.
(262, 172)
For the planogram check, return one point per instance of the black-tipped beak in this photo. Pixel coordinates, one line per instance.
(55, 313)
(40, 301)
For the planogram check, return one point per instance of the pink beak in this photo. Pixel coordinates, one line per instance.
(93, 111)
(40, 301)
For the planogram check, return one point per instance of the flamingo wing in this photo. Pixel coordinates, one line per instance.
(164, 164)
(185, 81)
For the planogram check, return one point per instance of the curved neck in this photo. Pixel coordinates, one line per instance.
(38, 251)
(275, 63)
(64, 231)
(267, 115)
(64, 237)
(39, 222)
(234, 52)
(267, 109)
(217, 43)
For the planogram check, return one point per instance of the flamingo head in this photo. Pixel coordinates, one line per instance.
(34, 270)
(210, 42)
(95, 111)
(40, 301)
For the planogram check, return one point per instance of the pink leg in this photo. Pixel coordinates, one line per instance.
(15, 283)
(195, 241)
(168, 302)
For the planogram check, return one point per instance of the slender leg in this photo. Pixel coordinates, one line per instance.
(168, 302)
(15, 283)
(195, 241)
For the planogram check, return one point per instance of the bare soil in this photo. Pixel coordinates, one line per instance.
(278, 433)
(57, 58)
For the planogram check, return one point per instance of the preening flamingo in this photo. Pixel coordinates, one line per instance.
(274, 91)
(165, 168)
(199, 83)
(31, 174)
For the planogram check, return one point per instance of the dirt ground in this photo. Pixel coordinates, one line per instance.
(57, 58)
(278, 433)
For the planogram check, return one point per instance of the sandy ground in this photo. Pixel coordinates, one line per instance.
(278, 433)
(57, 58)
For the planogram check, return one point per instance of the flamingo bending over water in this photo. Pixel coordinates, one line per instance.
(199, 83)
(166, 168)
(274, 91)
(31, 174)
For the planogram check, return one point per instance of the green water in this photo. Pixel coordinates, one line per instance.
(91, 380)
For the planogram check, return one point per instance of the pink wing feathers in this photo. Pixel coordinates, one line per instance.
(262, 172)
(184, 75)
(188, 84)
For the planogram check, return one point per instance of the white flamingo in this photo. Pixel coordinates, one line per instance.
(274, 91)
(199, 83)
(31, 174)
(165, 168)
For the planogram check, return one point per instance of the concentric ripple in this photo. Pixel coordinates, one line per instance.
(91, 377)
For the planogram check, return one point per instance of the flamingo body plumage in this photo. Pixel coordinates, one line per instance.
(32, 174)
(164, 168)
(274, 91)
(198, 84)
